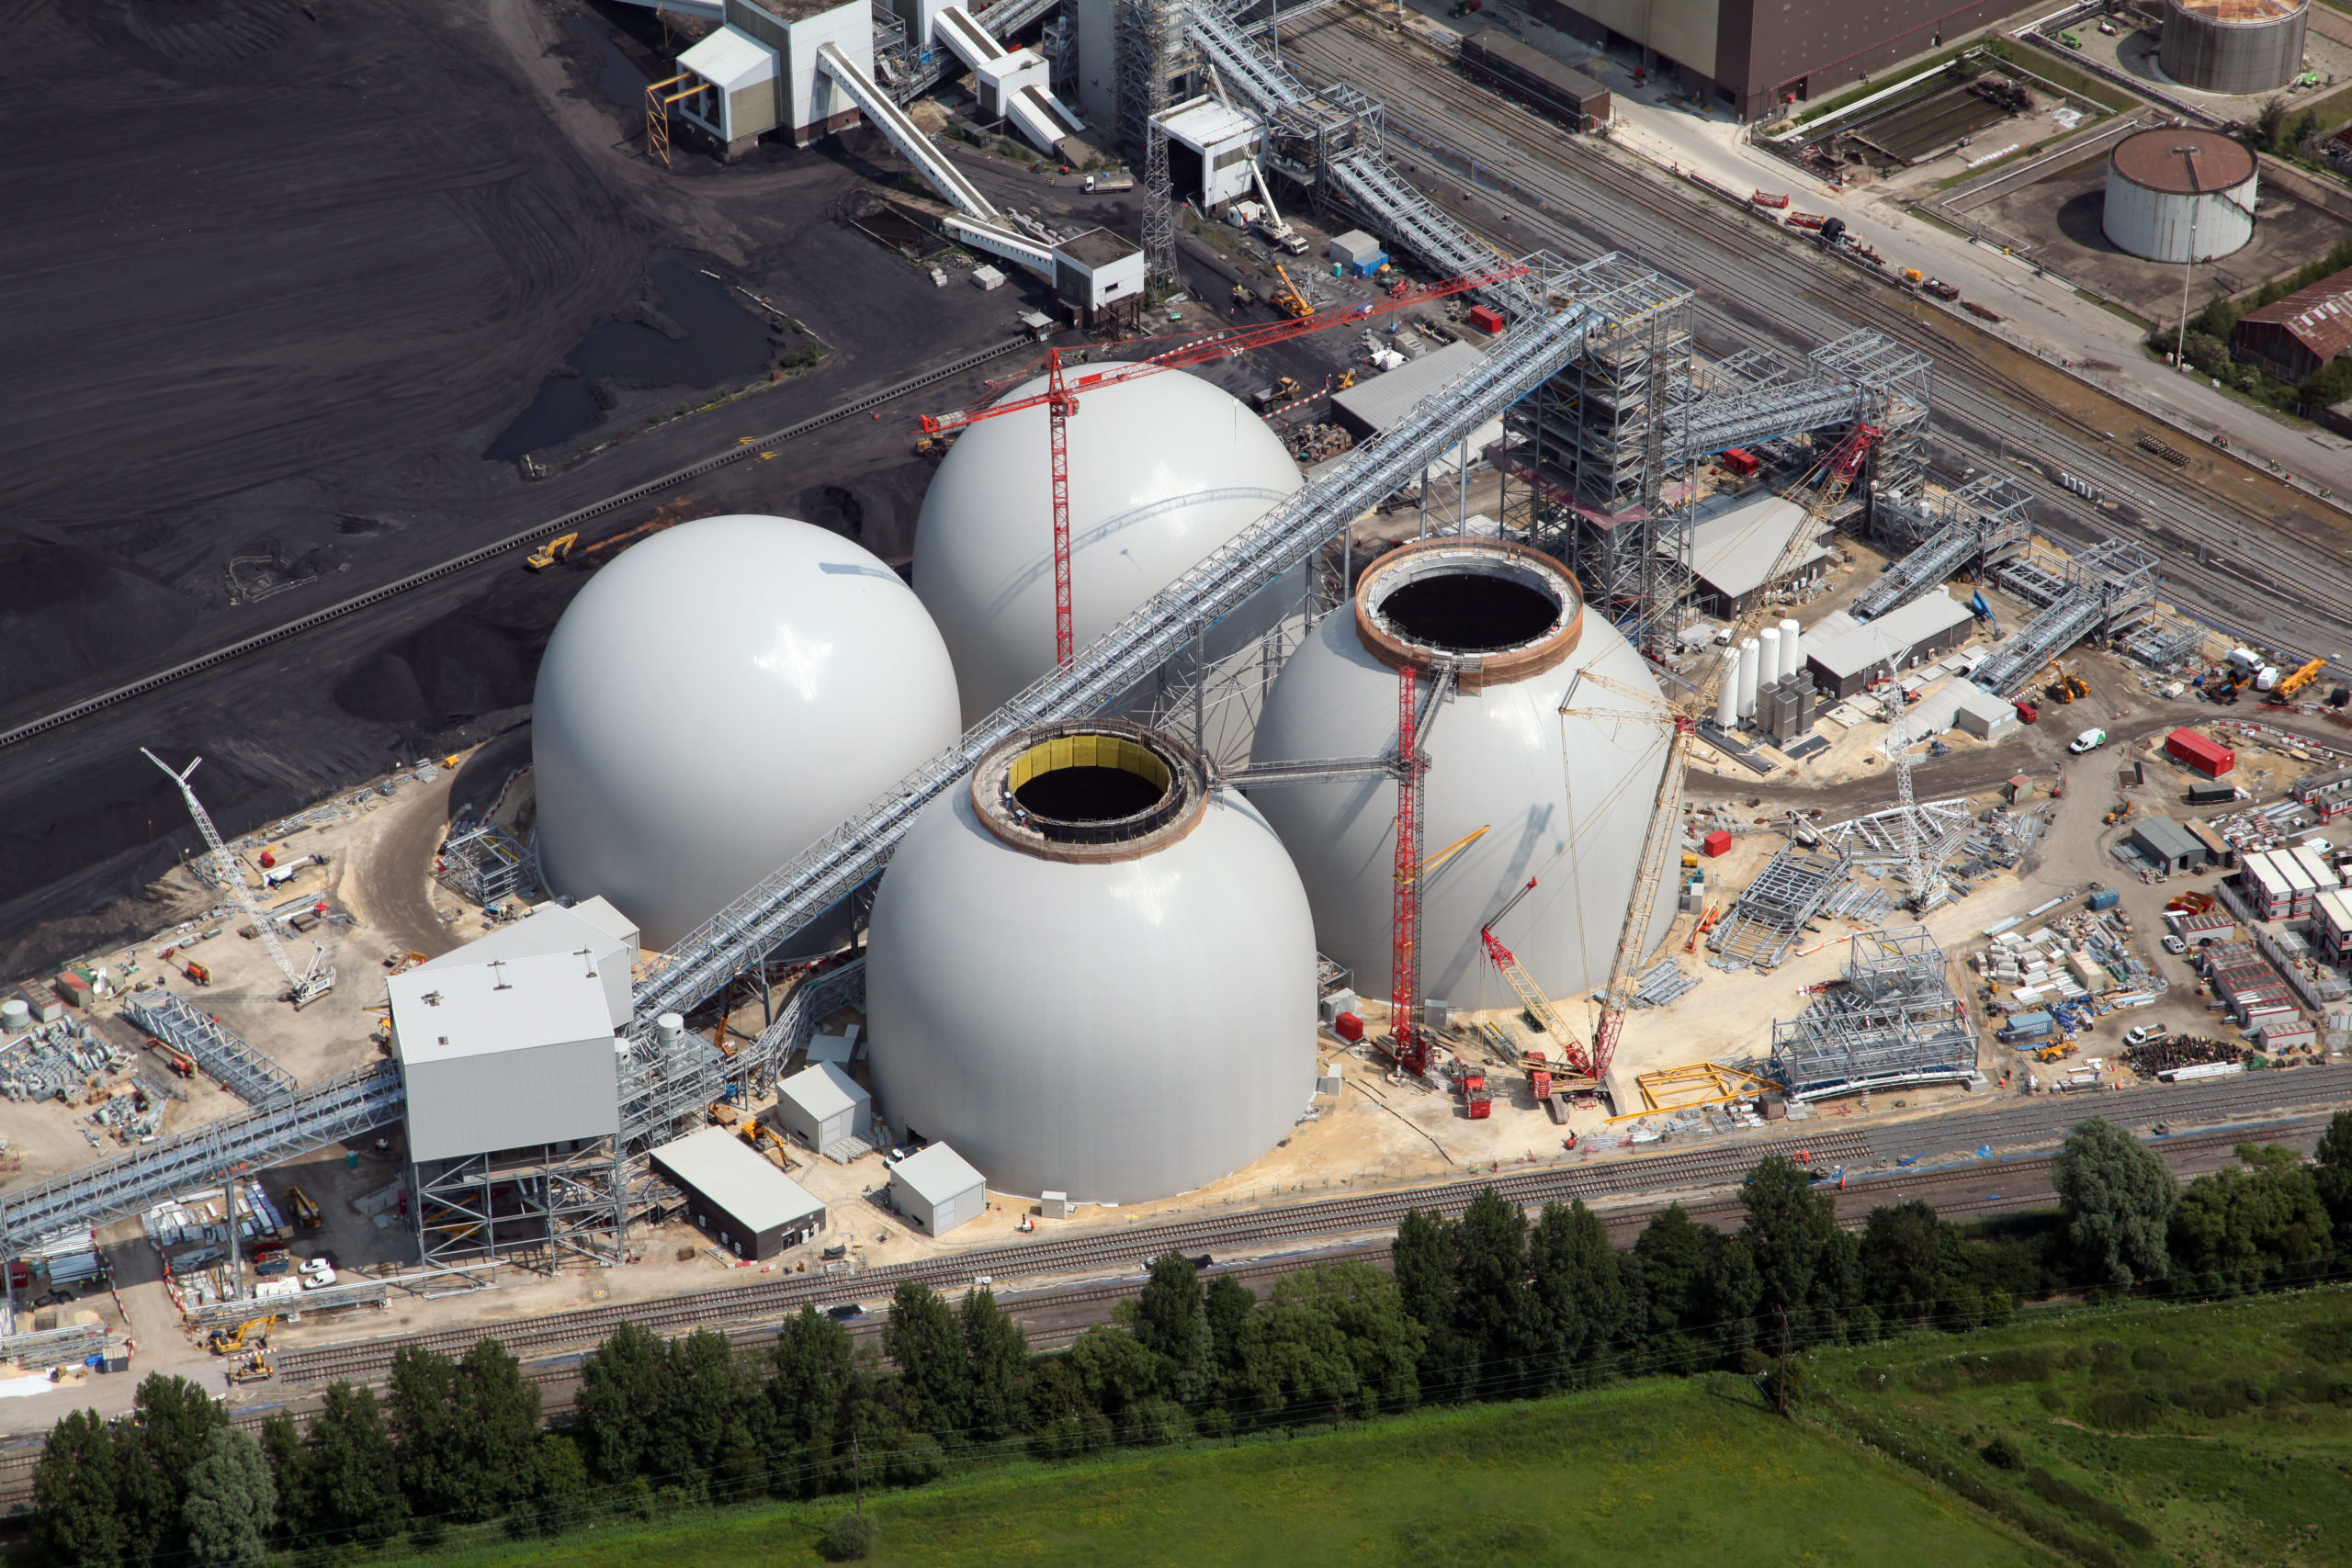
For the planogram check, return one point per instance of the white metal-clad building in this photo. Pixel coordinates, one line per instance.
(823, 1107)
(746, 1203)
(592, 926)
(1983, 714)
(740, 72)
(2331, 924)
(1846, 656)
(1375, 402)
(1209, 146)
(504, 1055)
(937, 1189)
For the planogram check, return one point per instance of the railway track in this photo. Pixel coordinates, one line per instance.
(1757, 282)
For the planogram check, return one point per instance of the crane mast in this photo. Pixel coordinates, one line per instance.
(302, 986)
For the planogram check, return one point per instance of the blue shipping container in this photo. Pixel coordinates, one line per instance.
(2105, 899)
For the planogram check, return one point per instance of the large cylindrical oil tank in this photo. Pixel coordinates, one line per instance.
(1515, 788)
(1162, 470)
(2169, 186)
(718, 698)
(2234, 46)
(1092, 974)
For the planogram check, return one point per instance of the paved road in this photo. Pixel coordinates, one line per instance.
(2286, 582)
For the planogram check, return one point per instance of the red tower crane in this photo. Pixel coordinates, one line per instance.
(1411, 1048)
(1060, 397)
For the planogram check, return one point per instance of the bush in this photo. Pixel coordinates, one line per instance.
(849, 1537)
(2328, 1342)
(2003, 1454)
(2077, 1501)
(2121, 1410)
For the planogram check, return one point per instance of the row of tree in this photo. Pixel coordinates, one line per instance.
(1493, 1305)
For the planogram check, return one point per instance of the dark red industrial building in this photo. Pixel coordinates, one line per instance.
(1751, 56)
(2293, 337)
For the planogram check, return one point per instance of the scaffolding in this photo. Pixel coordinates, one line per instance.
(205, 1040)
(2106, 591)
(1892, 1021)
(1876, 842)
(538, 1206)
(1155, 60)
(1773, 910)
(483, 864)
(1979, 525)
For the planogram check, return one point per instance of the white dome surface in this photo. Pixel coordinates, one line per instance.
(1501, 759)
(716, 700)
(1162, 470)
(1118, 1032)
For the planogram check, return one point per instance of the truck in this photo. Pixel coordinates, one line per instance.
(1280, 236)
(1106, 184)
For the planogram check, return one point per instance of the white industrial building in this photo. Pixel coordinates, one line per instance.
(761, 70)
(937, 1189)
(1210, 149)
(825, 1108)
(1375, 402)
(1100, 275)
(1846, 655)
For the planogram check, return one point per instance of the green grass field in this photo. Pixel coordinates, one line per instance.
(2206, 1434)
(1654, 1473)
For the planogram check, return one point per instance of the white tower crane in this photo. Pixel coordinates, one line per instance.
(303, 987)
(1926, 882)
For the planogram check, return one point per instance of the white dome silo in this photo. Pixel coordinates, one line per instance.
(716, 699)
(1162, 470)
(1564, 798)
(1091, 976)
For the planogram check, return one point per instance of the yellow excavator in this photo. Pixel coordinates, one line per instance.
(554, 550)
(231, 1341)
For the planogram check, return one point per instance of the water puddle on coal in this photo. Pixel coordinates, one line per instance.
(724, 342)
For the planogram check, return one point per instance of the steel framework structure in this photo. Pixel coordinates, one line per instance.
(1894, 1022)
(484, 863)
(1984, 522)
(2107, 589)
(1763, 923)
(235, 1066)
(538, 1206)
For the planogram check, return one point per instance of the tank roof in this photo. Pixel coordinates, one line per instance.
(2240, 13)
(1495, 611)
(1089, 790)
(2154, 161)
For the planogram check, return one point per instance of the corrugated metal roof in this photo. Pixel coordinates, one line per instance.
(593, 925)
(1383, 400)
(1734, 549)
(2320, 317)
(1893, 635)
(938, 1173)
(2169, 839)
(2336, 905)
(509, 1004)
(718, 1163)
(822, 1090)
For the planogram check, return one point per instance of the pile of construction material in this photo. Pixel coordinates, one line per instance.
(2179, 1056)
(2079, 956)
(1662, 984)
(190, 1235)
(1318, 443)
(56, 1060)
(2272, 827)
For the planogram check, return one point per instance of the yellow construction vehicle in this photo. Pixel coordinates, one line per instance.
(1242, 297)
(2065, 686)
(256, 1368)
(306, 1212)
(554, 550)
(230, 1341)
(2055, 1053)
(761, 1136)
(2304, 676)
(1288, 298)
(1347, 380)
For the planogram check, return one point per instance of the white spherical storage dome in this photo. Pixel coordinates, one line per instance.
(716, 699)
(1091, 975)
(1162, 470)
(1514, 788)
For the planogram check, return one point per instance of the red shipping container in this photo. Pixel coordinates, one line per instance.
(1716, 843)
(1741, 461)
(1347, 1027)
(1481, 1107)
(1485, 319)
(2208, 757)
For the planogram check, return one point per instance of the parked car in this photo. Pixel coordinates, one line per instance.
(2088, 740)
(2174, 944)
(844, 1314)
(2145, 1033)
(318, 1279)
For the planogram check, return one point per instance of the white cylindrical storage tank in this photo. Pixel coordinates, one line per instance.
(1750, 675)
(1791, 661)
(1727, 689)
(716, 700)
(1768, 656)
(2166, 186)
(2233, 47)
(1515, 789)
(1090, 974)
(1162, 470)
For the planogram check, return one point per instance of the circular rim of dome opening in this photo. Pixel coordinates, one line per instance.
(1041, 791)
(2152, 160)
(2239, 13)
(1533, 606)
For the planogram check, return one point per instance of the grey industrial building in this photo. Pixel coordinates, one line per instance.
(824, 1108)
(747, 1204)
(1755, 56)
(2167, 845)
(937, 1189)
(1846, 657)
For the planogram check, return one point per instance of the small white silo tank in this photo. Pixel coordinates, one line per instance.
(2169, 188)
(1515, 789)
(1768, 656)
(716, 699)
(1791, 659)
(1727, 689)
(1162, 470)
(1750, 675)
(1091, 974)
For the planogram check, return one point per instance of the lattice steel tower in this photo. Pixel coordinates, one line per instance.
(1154, 53)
